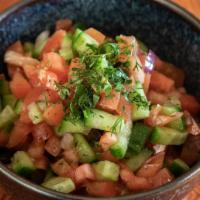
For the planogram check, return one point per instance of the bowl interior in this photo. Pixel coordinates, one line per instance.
(169, 35)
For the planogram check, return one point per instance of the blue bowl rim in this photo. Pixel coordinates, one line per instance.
(53, 194)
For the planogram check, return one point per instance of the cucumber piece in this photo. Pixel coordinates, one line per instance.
(28, 47)
(120, 147)
(139, 135)
(140, 112)
(136, 161)
(85, 151)
(179, 167)
(178, 124)
(98, 119)
(81, 40)
(66, 47)
(168, 136)
(7, 116)
(49, 174)
(4, 87)
(106, 171)
(22, 164)
(67, 126)
(9, 99)
(60, 184)
(42, 105)
(18, 107)
(34, 113)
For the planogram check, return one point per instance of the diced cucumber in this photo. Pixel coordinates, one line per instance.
(139, 135)
(179, 167)
(66, 47)
(60, 184)
(34, 113)
(7, 116)
(140, 112)
(81, 40)
(42, 105)
(120, 147)
(67, 126)
(18, 106)
(106, 171)
(49, 174)
(4, 87)
(136, 161)
(98, 119)
(9, 99)
(168, 136)
(178, 124)
(22, 164)
(85, 151)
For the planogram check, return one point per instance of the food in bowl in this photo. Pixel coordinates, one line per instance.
(85, 113)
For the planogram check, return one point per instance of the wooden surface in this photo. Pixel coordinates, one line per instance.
(194, 7)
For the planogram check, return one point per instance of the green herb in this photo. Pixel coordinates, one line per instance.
(63, 90)
(138, 66)
(118, 123)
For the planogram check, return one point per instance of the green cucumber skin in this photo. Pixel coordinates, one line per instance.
(7, 116)
(18, 107)
(137, 160)
(139, 135)
(179, 167)
(106, 171)
(22, 164)
(98, 119)
(67, 126)
(9, 99)
(167, 136)
(60, 184)
(85, 151)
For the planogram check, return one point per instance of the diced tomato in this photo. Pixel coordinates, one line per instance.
(55, 63)
(41, 132)
(36, 150)
(53, 146)
(161, 83)
(61, 167)
(190, 104)
(107, 140)
(152, 166)
(161, 178)
(19, 134)
(106, 155)
(125, 109)
(103, 189)
(83, 173)
(54, 42)
(24, 117)
(51, 96)
(71, 156)
(33, 95)
(19, 86)
(3, 138)
(133, 182)
(156, 98)
(109, 103)
(64, 24)
(41, 163)
(54, 114)
(31, 73)
(97, 35)
(171, 71)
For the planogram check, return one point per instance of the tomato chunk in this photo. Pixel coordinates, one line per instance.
(97, 35)
(102, 189)
(61, 167)
(54, 114)
(161, 83)
(190, 104)
(19, 86)
(53, 146)
(54, 42)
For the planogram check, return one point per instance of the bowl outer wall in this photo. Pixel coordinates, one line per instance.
(173, 190)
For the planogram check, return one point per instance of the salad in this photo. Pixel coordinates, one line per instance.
(87, 114)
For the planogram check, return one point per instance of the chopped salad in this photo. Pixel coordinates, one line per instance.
(87, 114)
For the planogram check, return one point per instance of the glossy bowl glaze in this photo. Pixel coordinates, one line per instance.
(167, 29)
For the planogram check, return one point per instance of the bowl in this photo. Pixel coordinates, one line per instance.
(170, 31)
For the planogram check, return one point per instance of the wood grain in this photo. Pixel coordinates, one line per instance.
(192, 6)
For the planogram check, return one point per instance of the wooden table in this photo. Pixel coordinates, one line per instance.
(194, 7)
